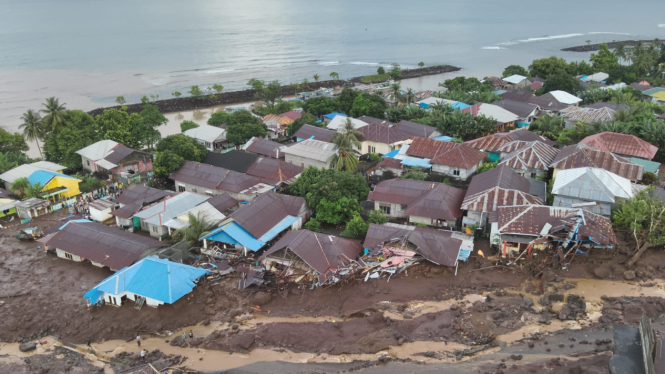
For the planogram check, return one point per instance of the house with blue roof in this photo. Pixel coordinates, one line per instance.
(258, 222)
(55, 186)
(329, 117)
(151, 281)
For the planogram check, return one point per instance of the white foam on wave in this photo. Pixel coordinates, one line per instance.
(329, 63)
(364, 63)
(562, 36)
(216, 71)
(608, 32)
(492, 47)
(661, 25)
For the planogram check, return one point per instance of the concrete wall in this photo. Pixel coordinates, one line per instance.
(450, 171)
(305, 162)
(110, 298)
(396, 210)
(154, 230)
(62, 254)
(527, 173)
(381, 148)
(430, 221)
(100, 215)
(397, 172)
(124, 222)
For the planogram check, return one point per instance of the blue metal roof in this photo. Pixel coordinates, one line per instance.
(279, 227)
(44, 176)
(443, 138)
(649, 166)
(74, 220)
(499, 92)
(460, 106)
(332, 115)
(420, 162)
(233, 233)
(392, 153)
(154, 278)
(522, 124)
(424, 105)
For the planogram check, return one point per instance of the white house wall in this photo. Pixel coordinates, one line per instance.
(62, 254)
(305, 162)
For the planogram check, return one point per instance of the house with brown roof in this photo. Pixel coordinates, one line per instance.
(529, 159)
(501, 186)
(529, 227)
(102, 245)
(313, 257)
(265, 147)
(572, 115)
(414, 129)
(258, 222)
(621, 144)
(459, 162)
(107, 156)
(390, 164)
(132, 199)
(382, 138)
(431, 203)
(525, 112)
(491, 144)
(211, 180)
(274, 172)
(582, 155)
(313, 132)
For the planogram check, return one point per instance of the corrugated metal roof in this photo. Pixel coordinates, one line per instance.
(340, 121)
(612, 106)
(491, 111)
(462, 156)
(333, 115)
(266, 211)
(530, 220)
(389, 162)
(531, 155)
(173, 206)
(235, 160)
(309, 131)
(106, 245)
(416, 162)
(292, 115)
(500, 186)
(517, 95)
(604, 209)
(282, 225)
(99, 150)
(623, 144)
(514, 79)
(423, 199)
(653, 90)
(25, 170)
(101, 204)
(428, 148)
(273, 171)
(592, 184)
(588, 115)
(581, 155)
(312, 149)
(384, 132)
(212, 177)
(437, 246)
(415, 129)
(222, 202)
(205, 209)
(138, 194)
(154, 278)
(322, 252)
(121, 152)
(44, 176)
(207, 133)
(265, 147)
(649, 166)
(520, 109)
(233, 233)
(563, 97)
(547, 104)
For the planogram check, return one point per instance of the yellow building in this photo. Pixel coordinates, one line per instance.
(57, 186)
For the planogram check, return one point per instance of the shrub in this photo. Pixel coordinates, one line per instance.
(376, 78)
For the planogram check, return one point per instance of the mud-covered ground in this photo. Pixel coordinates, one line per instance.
(476, 318)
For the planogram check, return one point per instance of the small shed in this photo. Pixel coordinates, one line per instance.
(100, 210)
(32, 207)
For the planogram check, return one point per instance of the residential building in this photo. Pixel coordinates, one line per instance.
(56, 187)
(582, 155)
(32, 207)
(526, 113)
(274, 172)
(503, 118)
(529, 227)
(102, 245)
(313, 132)
(310, 152)
(613, 106)
(593, 189)
(210, 136)
(211, 180)
(154, 217)
(330, 116)
(431, 203)
(107, 156)
(572, 115)
(500, 186)
(624, 145)
(7, 203)
(205, 211)
(599, 77)
(313, 256)
(265, 147)
(413, 129)
(25, 170)
(234, 160)
(516, 81)
(101, 209)
(529, 159)
(132, 199)
(94, 152)
(382, 138)
(223, 203)
(390, 164)
(563, 97)
(151, 281)
(491, 144)
(456, 160)
(340, 120)
(258, 222)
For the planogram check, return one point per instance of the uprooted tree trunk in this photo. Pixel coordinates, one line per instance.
(638, 254)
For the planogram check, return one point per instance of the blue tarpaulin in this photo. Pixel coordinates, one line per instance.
(443, 138)
(332, 115)
(460, 106)
(522, 124)
(418, 162)
(392, 153)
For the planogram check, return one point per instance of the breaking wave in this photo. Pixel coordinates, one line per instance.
(329, 63)
(492, 47)
(364, 63)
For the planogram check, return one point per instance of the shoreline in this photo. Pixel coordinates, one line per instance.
(610, 45)
(180, 104)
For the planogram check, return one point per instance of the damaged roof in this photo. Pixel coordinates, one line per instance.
(581, 155)
(530, 221)
(530, 155)
(462, 156)
(222, 202)
(322, 252)
(99, 243)
(423, 199)
(265, 147)
(139, 194)
(623, 144)
(437, 246)
(273, 171)
(171, 207)
(267, 210)
(498, 187)
(588, 115)
(212, 177)
(383, 132)
(313, 132)
(428, 148)
(390, 162)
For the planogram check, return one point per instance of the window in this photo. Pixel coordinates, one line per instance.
(87, 162)
(181, 188)
(456, 172)
(371, 149)
(533, 175)
(385, 208)
(403, 207)
(209, 193)
(69, 256)
(154, 229)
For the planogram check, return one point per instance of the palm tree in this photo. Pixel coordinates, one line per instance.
(394, 92)
(19, 186)
(316, 77)
(347, 141)
(199, 226)
(620, 52)
(34, 190)
(334, 75)
(410, 96)
(548, 126)
(32, 127)
(620, 97)
(56, 114)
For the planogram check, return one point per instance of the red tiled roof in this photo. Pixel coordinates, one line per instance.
(623, 144)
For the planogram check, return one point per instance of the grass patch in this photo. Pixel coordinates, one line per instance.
(376, 78)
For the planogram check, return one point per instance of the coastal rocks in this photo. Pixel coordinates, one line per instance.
(27, 347)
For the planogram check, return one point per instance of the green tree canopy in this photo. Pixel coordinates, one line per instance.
(12, 142)
(55, 115)
(461, 83)
(378, 217)
(337, 212)
(242, 126)
(268, 93)
(515, 69)
(563, 82)
(346, 99)
(604, 60)
(546, 67)
(79, 132)
(188, 125)
(487, 166)
(369, 105)
(199, 225)
(305, 119)
(407, 113)
(20, 186)
(184, 146)
(166, 163)
(10, 160)
(356, 228)
(119, 126)
(319, 106)
(32, 127)
(316, 184)
(218, 118)
(415, 173)
(152, 116)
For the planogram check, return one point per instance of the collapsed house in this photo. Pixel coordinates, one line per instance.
(313, 257)
(398, 243)
(529, 227)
